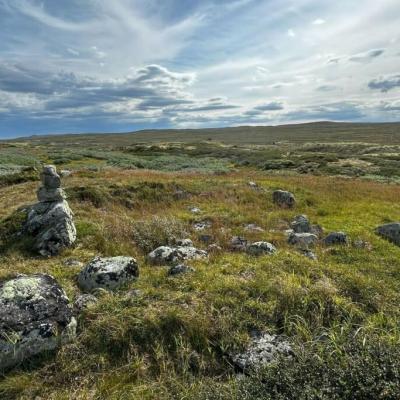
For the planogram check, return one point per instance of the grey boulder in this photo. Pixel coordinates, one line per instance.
(283, 198)
(165, 255)
(301, 224)
(390, 232)
(35, 316)
(302, 240)
(261, 248)
(261, 351)
(238, 243)
(108, 273)
(336, 238)
(84, 301)
(180, 269)
(51, 225)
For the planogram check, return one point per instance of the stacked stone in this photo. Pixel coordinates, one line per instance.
(51, 186)
(51, 220)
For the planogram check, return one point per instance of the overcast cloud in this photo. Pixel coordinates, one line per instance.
(120, 65)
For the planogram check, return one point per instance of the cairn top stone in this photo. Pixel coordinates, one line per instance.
(49, 177)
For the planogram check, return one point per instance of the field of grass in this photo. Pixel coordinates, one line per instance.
(173, 339)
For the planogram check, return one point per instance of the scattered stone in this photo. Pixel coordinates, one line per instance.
(302, 240)
(283, 198)
(65, 172)
(84, 301)
(214, 248)
(238, 243)
(202, 225)
(362, 244)
(195, 210)
(253, 228)
(252, 184)
(260, 248)
(390, 232)
(165, 255)
(35, 316)
(72, 262)
(184, 243)
(206, 238)
(108, 273)
(309, 254)
(336, 238)
(261, 351)
(180, 269)
(301, 224)
(50, 221)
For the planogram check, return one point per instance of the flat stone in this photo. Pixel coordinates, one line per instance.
(165, 255)
(302, 240)
(108, 273)
(47, 195)
(261, 248)
(261, 351)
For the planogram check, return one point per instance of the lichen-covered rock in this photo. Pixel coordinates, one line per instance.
(108, 273)
(261, 248)
(261, 351)
(165, 255)
(184, 243)
(301, 224)
(283, 198)
(46, 195)
(335, 238)
(202, 225)
(51, 225)
(390, 232)
(302, 240)
(180, 269)
(35, 316)
(238, 243)
(49, 177)
(84, 301)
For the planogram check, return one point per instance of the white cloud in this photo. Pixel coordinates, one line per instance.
(319, 21)
(291, 33)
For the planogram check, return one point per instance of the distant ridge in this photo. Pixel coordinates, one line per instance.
(322, 131)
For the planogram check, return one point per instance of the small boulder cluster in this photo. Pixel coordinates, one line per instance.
(50, 222)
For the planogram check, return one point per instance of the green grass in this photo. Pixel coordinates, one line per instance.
(173, 340)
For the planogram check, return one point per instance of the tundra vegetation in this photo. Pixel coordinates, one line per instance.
(170, 335)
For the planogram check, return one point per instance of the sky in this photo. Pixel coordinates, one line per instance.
(70, 66)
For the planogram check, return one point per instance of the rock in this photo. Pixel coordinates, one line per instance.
(262, 350)
(238, 243)
(302, 240)
(72, 262)
(252, 184)
(317, 230)
(301, 224)
(180, 269)
(260, 248)
(65, 172)
(50, 221)
(309, 254)
(132, 293)
(253, 228)
(214, 248)
(49, 177)
(184, 243)
(336, 238)
(283, 198)
(165, 255)
(362, 244)
(195, 210)
(202, 225)
(206, 238)
(52, 226)
(84, 301)
(108, 273)
(46, 195)
(390, 232)
(180, 194)
(35, 316)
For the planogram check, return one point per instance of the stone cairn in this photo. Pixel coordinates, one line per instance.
(50, 221)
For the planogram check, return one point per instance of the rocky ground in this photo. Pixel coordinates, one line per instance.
(166, 285)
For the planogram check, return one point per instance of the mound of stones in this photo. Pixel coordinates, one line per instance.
(108, 273)
(390, 232)
(166, 255)
(283, 199)
(50, 221)
(35, 316)
(262, 350)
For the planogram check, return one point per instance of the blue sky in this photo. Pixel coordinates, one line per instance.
(121, 65)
